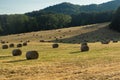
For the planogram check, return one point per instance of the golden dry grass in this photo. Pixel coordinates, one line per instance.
(91, 33)
(102, 62)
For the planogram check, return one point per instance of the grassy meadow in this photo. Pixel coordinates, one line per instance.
(102, 62)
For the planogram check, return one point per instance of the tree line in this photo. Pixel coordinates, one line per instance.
(115, 24)
(20, 23)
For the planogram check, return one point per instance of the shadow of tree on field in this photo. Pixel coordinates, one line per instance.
(5, 56)
(13, 61)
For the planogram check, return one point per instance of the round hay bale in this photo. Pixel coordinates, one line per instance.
(50, 37)
(21, 41)
(55, 45)
(60, 37)
(115, 41)
(4, 46)
(19, 45)
(16, 52)
(7, 42)
(2, 42)
(32, 55)
(63, 35)
(42, 41)
(25, 44)
(69, 30)
(105, 42)
(84, 48)
(11, 45)
(36, 34)
(28, 41)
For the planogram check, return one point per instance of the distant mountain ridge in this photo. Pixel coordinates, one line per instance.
(68, 8)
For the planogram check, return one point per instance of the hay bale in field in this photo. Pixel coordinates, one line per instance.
(7, 42)
(42, 40)
(11, 45)
(21, 41)
(50, 37)
(37, 35)
(55, 45)
(16, 52)
(63, 35)
(48, 41)
(84, 47)
(19, 45)
(105, 42)
(115, 41)
(2, 42)
(60, 36)
(69, 30)
(4, 46)
(32, 55)
(28, 41)
(25, 44)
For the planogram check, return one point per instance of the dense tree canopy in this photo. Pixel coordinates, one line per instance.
(91, 18)
(12, 24)
(1, 30)
(53, 21)
(115, 25)
(60, 16)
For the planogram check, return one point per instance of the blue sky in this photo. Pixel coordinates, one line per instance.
(23, 6)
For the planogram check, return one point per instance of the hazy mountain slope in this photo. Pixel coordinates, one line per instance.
(69, 8)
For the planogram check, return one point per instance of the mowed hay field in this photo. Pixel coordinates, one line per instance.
(101, 62)
(89, 33)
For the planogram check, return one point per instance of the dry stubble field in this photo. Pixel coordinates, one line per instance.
(102, 62)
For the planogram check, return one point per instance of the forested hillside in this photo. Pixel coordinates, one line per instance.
(49, 18)
(68, 8)
(115, 25)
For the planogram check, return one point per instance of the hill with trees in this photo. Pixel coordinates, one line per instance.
(115, 24)
(57, 16)
(68, 8)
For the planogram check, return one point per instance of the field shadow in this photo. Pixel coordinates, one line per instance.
(5, 56)
(76, 52)
(14, 61)
(98, 35)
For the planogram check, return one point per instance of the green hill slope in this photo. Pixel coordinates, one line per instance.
(68, 8)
